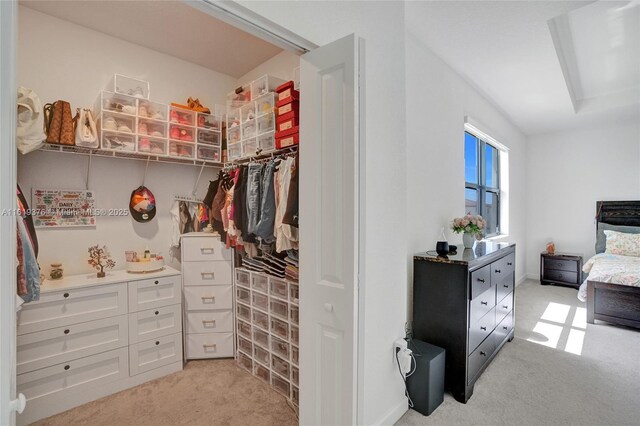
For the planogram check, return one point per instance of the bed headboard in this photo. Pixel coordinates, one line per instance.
(625, 213)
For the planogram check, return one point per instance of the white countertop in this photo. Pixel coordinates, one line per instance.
(90, 280)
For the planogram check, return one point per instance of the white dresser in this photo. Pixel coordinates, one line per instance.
(87, 338)
(207, 279)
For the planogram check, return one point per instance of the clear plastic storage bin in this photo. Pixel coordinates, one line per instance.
(261, 337)
(280, 385)
(209, 137)
(294, 315)
(209, 121)
(267, 142)
(262, 372)
(155, 146)
(152, 110)
(234, 151)
(156, 129)
(233, 135)
(265, 104)
(279, 309)
(186, 117)
(181, 133)
(249, 147)
(248, 112)
(280, 328)
(114, 141)
(295, 375)
(116, 102)
(245, 362)
(278, 288)
(266, 123)
(182, 150)
(233, 116)
(295, 395)
(243, 312)
(242, 278)
(209, 153)
(260, 283)
(129, 86)
(295, 335)
(261, 355)
(294, 355)
(260, 301)
(245, 345)
(265, 84)
(248, 129)
(260, 319)
(117, 122)
(294, 293)
(244, 328)
(240, 94)
(280, 347)
(280, 366)
(243, 295)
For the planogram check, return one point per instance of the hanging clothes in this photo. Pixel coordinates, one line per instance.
(265, 227)
(286, 235)
(291, 211)
(23, 206)
(29, 265)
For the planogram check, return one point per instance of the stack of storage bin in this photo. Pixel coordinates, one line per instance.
(288, 113)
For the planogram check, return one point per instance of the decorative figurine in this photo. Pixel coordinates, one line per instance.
(100, 258)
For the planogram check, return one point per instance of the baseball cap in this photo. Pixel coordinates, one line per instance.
(142, 205)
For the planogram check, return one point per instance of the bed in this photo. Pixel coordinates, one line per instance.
(613, 285)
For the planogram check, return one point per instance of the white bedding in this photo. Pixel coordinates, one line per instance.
(611, 268)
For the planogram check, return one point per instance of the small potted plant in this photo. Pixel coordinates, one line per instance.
(470, 226)
(100, 258)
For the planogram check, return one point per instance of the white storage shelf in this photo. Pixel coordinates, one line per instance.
(267, 331)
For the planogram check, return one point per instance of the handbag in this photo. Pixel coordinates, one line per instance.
(29, 132)
(86, 131)
(59, 123)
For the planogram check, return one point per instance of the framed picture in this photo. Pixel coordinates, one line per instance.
(59, 208)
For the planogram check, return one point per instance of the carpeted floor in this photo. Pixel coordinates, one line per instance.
(541, 383)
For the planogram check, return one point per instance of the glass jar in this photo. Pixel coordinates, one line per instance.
(57, 271)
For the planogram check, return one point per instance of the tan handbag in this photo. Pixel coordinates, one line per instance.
(59, 123)
(86, 131)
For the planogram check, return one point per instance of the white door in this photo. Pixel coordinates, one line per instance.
(8, 40)
(329, 233)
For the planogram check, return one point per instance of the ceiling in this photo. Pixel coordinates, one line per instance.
(171, 27)
(547, 65)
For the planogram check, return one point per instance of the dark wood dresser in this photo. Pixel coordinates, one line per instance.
(561, 268)
(464, 303)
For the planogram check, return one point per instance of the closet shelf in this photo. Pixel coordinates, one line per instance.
(126, 155)
(263, 156)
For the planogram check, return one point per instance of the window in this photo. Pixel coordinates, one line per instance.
(482, 181)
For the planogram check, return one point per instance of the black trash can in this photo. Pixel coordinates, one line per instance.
(426, 384)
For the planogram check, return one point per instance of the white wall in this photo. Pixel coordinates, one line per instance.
(384, 277)
(438, 100)
(568, 172)
(280, 66)
(60, 60)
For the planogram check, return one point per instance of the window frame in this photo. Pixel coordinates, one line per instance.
(480, 187)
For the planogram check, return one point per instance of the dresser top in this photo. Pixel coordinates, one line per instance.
(90, 280)
(480, 250)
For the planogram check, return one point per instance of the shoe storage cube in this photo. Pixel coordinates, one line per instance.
(233, 115)
(280, 347)
(181, 150)
(295, 395)
(294, 315)
(116, 102)
(260, 319)
(243, 278)
(260, 283)
(266, 123)
(233, 135)
(156, 129)
(245, 362)
(182, 116)
(247, 112)
(261, 355)
(152, 110)
(181, 133)
(248, 129)
(241, 94)
(279, 309)
(280, 366)
(243, 295)
(243, 312)
(118, 141)
(266, 142)
(294, 355)
(149, 145)
(264, 84)
(278, 288)
(234, 150)
(244, 328)
(265, 104)
(209, 137)
(261, 337)
(294, 293)
(208, 121)
(280, 328)
(209, 153)
(245, 345)
(295, 375)
(260, 301)
(262, 372)
(295, 335)
(249, 147)
(117, 122)
(280, 385)
(129, 86)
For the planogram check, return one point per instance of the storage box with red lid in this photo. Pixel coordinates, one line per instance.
(288, 138)
(287, 121)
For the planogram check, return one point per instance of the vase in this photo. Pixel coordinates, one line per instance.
(101, 274)
(468, 239)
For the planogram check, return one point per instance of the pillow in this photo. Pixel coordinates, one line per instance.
(601, 240)
(623, 244)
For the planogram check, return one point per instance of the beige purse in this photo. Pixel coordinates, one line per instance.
(86, 130)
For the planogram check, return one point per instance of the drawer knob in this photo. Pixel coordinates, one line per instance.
(504, 327)
(481, 280)
(206, 249)
(483, 328)
(212, 275)
(66, 367)
(483, 353)
(505, 306)
(205, 346)
(498, 271)
(157, 342)
(484, 303)
(157, 312)
(65, 295)
(211, 298)
(212, 322)
(505, 285)
(66, 331)
(156, 282)
(509, 263)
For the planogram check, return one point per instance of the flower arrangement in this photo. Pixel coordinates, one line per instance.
(469, 224)
(100, 258)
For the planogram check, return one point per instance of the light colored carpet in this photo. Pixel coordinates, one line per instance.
(532, 384)
(206, 392)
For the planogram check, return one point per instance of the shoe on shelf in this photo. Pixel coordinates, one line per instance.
(184, 119)
(142, 111)
(174, 117)
(174, 133)
(122, 127)
(157, 149)
(144, 145)
(110, 123)
(184, 152)
(142, 129)
(186, 135)
(156, 134)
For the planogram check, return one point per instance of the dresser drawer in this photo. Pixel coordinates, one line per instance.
(480, 281)
(209, 345)
(56, 309)
(209, 297)
(204, 249)
(503, 267)
(83, 373)
(154, 353)
(561, 264)
(481, 329)
(209, 322)
(49, 347)
(505, 286)
(479, 358)
(154, 293)
(504, 306)
(561, 276)
(207, 273)
(503, 329)
(153, 323)
(481, 305)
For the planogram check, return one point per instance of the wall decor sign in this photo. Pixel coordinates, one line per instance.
(58, 208)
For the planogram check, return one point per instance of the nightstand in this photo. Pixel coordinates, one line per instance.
(561, 268)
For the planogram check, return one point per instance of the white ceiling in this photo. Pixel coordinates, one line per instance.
(171, 27)
(506, 50)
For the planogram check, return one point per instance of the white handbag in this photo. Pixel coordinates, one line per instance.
(86, 130)
(29, 132)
